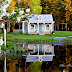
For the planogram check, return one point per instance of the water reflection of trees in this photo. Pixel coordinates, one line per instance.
(17, 63)
(62, 56)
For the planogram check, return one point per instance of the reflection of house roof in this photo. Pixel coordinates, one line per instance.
(46, 18)
(35, 58)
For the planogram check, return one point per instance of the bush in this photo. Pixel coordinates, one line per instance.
(53, 32)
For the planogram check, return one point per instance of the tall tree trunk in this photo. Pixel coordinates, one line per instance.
(55, 15)
(66, 17)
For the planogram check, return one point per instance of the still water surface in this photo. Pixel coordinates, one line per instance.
(38, 58)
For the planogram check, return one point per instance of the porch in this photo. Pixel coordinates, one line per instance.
(40, 28)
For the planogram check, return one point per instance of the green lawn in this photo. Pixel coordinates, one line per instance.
(44, 37)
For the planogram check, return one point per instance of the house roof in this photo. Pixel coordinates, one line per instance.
(35, 58)
(46, 18)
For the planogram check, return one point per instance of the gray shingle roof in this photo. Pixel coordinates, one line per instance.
(46, 18)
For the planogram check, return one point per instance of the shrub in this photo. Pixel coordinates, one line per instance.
(53, 32)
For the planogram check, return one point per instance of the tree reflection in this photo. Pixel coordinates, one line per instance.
(17, 63)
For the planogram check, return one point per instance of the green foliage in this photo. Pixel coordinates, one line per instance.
(35, 7)
(1, 36)
(36, 66)
(16, 7)
(0, 11)
(18, 15)
(6, 2)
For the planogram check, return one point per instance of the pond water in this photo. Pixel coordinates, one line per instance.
(38, 58)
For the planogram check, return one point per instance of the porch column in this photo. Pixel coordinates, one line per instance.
(38, 49)
(44, 49)
(44, 27)
(34, 27)
(50, 27)
(53, 50)
(28, 27)
(38, 27)
(34, 48)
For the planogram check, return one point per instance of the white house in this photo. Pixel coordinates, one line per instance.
(39, 24)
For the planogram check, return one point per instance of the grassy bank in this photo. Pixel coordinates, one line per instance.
(19, 37)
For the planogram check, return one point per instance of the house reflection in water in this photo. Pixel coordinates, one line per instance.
(39, 52)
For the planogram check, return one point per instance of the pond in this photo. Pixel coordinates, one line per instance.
(37, 58)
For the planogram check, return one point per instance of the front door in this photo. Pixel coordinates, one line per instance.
(40, 27)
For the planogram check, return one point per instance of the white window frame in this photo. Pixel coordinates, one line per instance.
(40, 18)
(47, 28)
(32, 28)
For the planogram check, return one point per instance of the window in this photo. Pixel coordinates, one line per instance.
(32, 26)
(47, 27)
(40, 17)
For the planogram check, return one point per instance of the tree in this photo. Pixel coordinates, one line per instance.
(12, 6)
(3, 6)
(14, 15)
(48, 6)
(68, 9)
(19, 3)
(35, 7)
(58, 10)
(70, 21)
(36, 66)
